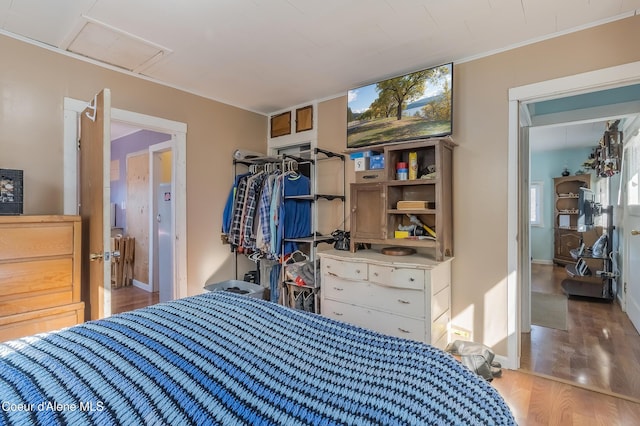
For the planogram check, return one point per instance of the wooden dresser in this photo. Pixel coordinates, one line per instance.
(404, 296)
(39, 274)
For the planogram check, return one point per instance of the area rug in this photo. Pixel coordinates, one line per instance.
(549, 310)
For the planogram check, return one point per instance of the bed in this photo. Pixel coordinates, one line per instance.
(224, 358)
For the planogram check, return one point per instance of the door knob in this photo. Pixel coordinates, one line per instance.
(95, 256)
(635, 232)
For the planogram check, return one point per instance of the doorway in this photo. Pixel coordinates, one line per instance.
(140, 160)
(72, 109)
(519, 285)
(583, 340)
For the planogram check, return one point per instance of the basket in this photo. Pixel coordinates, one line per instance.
(11, 187)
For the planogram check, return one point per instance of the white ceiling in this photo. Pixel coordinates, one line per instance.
(268, 55)
(566, 136)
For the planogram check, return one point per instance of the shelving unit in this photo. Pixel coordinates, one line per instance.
(320, 194)
(598, 283)
(375, 216)
(566, 211)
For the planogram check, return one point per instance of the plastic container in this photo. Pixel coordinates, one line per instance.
(236, 286)
(413, 165)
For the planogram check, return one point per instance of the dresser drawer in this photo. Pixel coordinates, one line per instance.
(345, 269)
(397, 300)
(41, 321)
(36, 240)
(382, 322)
(337, 288)
(36, 284)
(440, 277)
(440, 303)
(397, 277)
(441, 343)
(440, 327)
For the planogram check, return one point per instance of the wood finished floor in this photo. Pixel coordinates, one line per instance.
(600, 350)
(129, 298)
(538, 401)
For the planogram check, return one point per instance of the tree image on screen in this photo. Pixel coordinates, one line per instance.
(415, 105)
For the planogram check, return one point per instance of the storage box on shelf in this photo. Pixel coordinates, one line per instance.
(375, 215)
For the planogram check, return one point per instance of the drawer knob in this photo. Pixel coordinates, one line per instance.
(357, 271)
(375, 274)
(405, 302)
(332, 274)
(338, 289)
(411, 279)
(402, 330)
(338, 314)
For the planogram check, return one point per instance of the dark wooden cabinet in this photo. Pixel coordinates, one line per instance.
(391, 204)
(566, 213)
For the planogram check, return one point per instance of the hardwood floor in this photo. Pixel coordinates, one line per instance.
(600, 350)
(538, 401)
(129, 298)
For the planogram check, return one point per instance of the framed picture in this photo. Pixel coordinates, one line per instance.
(281, 124)
(304, 118)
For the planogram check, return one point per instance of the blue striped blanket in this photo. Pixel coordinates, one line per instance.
(222, 358)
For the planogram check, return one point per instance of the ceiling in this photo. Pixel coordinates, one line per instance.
(269, 55)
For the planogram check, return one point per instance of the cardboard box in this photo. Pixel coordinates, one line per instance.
(360, 164)
(362, 154)
(376, 162)
(401, 234)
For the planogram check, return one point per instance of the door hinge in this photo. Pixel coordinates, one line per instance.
(624, 289)
(78, 144)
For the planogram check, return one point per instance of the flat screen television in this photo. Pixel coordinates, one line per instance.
(587, 209)
(417, 105)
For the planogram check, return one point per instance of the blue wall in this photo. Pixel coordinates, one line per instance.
(545, 165)
(135, 142)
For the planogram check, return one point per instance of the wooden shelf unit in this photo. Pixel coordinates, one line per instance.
(566, 235)
(374, 213)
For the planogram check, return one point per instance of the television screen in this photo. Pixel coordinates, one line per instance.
(417, 105)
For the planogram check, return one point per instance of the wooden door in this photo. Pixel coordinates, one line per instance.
(368, 212)
(94, 176)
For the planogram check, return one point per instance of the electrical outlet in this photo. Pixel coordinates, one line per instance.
(460, 334)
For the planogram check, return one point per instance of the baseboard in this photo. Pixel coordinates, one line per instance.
(504, 361)
(542, 261)
(141, 285)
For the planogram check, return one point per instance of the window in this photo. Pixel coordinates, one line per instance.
(535, 204)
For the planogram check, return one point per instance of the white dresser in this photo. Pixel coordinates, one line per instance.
(404, 296)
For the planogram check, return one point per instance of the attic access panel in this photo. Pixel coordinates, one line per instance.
(102, 42)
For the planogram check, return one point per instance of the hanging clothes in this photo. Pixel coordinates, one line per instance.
(227, 214)
(260, 212)
(294, 218)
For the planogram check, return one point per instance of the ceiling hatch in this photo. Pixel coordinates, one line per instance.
(104, 43)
